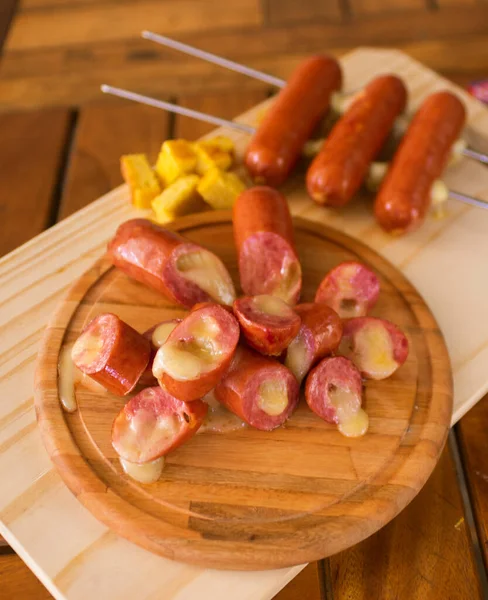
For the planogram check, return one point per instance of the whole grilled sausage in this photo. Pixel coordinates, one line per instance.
(339, 169)
(404, 196)
(288, 124)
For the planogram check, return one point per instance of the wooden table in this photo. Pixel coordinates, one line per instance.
(59, 150)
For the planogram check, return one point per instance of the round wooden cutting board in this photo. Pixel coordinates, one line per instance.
(248, 499)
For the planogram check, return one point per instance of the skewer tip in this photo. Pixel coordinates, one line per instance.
(145, 34)
(105, 88)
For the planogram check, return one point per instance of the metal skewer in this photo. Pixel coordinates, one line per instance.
(201, 116)
(213, 58)
(483, 158)
(174, 108)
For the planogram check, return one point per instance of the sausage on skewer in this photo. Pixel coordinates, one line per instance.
(404, 196)
(339, 169)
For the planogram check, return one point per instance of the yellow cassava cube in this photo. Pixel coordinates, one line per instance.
(178, 199)
(209, 157)
(141, 179)
(176, 158)
(220, 189)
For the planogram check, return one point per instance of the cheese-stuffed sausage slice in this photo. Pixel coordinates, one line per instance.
(376, 346)
(259, 390)
(197, 352)
(340, 167)
(156, 335)
(290, 121)
(268, 323)
(112, 353)
(350, 288)
(181, 270)
(404, 196)
(263, 233)
(153, 423)
(320, 334)
(334, 393)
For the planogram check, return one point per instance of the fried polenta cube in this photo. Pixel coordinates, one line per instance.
(222, 142)
(209, 157)
(220, 189)
(178, 199)
(141, 179)
(176, 158)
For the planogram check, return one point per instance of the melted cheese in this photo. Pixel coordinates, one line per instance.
(205, 270)
(144, 473)
(87, 348)
(272, 397)
(297, 358)
(374, 351)
(271, 305)
(220, 420)
(161, 333)
(66, 373)
(355, 425)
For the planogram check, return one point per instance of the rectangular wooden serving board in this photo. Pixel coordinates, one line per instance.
(73, 554)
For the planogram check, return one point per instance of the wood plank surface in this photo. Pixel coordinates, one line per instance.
(384, 7)
(18, 582)
(31, 154)
(7, 10)
(307, 585)
(424, 554)
(451, 40)
(70, 25)
(105, 131)
(472, 437)
(279, 12)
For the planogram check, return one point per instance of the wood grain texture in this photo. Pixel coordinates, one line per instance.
(371, 7)
(279, 12)
(307, 585)
(7, 10)
(18, 581)
(71, 25)
(472, 436)
(104, 132)
(73, 552)
(300, 510)
(422, 554)
(31, 155)
(451, 40)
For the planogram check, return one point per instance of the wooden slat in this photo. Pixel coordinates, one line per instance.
(451, 40)
(72, 25)
(31, 155)
(27, 5)
(472, 437)
(225, 104)
(7, 9)
(423, 553)
(279, 12)
(18, 582)
(305, 586)
(371, 7)
(104, 132)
